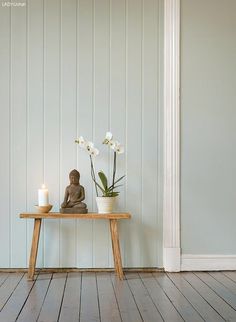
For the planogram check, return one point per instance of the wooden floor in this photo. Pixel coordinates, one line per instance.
(92, 297)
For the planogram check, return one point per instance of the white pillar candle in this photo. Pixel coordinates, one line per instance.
(43, 196)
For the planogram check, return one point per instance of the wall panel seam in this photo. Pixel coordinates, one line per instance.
(93, 110)
(43, 125)
(126, 122)
(76, 115)
(109, 118)
(60, 119)
(10, 136)
(142, 115)
(27, 120)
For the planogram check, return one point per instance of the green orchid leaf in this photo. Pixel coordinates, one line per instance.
(114, 187)
(103, 179)
(114, 194)
(119, 179)
(103, 190)
(111, 194)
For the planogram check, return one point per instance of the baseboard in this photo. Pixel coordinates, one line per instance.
(73, 269)
(208, 262)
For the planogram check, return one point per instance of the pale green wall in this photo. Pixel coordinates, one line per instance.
(70, 68)
(208, 126)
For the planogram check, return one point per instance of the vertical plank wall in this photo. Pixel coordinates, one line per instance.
(70, 68)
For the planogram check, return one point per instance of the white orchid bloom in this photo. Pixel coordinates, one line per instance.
(108, 138)
(80, 141)
(117, 147)
(94, 152)
(120, 149)
(113, 144)
(88, 145)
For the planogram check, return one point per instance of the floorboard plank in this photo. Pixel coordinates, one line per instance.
(71, 302)
(8, 287)
(160, 299)
(197, 301)
(34, 303)
(127, 306)
(223, 279)
(107, 301)
(181, 304)
(102, 297)
(3, 277)
(220, 289)
(15, 303)
(143, 300)
(89, 309)
(226, 311)
(231, 275)
(52, 302)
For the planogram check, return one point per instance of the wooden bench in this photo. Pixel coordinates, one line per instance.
(113, 218)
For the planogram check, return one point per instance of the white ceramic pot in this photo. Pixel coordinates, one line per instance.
(105, 204)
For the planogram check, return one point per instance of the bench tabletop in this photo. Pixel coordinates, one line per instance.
(90, 215)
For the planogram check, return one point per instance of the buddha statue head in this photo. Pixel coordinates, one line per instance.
(74, 177)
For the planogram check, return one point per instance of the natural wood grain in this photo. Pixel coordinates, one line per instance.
(160, 299)
(95, 297)
(146, 307)
(35, 300)
(34, 248)
(113, 230)
(90, 215)
(226, 311)
(219, 289)
(116, 248)
(107, 301)
(89, 310)
(231, 275)
(3, 277)
(127, 306)
(8, 287)
(197, 301)
(51, 306)
(71, 301)
(181, 304)
(15, 303)
(224, 280)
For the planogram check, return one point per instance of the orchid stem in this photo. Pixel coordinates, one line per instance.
(114, 171)
(93, 175)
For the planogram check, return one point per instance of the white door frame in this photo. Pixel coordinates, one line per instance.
(171, 206)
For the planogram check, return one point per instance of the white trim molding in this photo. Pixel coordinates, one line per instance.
(208, 262)
(171, 206)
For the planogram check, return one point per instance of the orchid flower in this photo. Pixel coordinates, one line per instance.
(108, 138)
(117, 147)
(80, 141)
(89, 145)
(107, 191)
(94, 152)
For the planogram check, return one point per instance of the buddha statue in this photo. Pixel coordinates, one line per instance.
(74, 195)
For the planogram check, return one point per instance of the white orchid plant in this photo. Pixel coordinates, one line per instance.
(106, 189)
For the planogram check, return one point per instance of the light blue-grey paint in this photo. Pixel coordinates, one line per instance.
(208, 126)
(71, 68)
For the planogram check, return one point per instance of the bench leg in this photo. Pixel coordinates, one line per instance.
(116, 248)
(34, 248)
